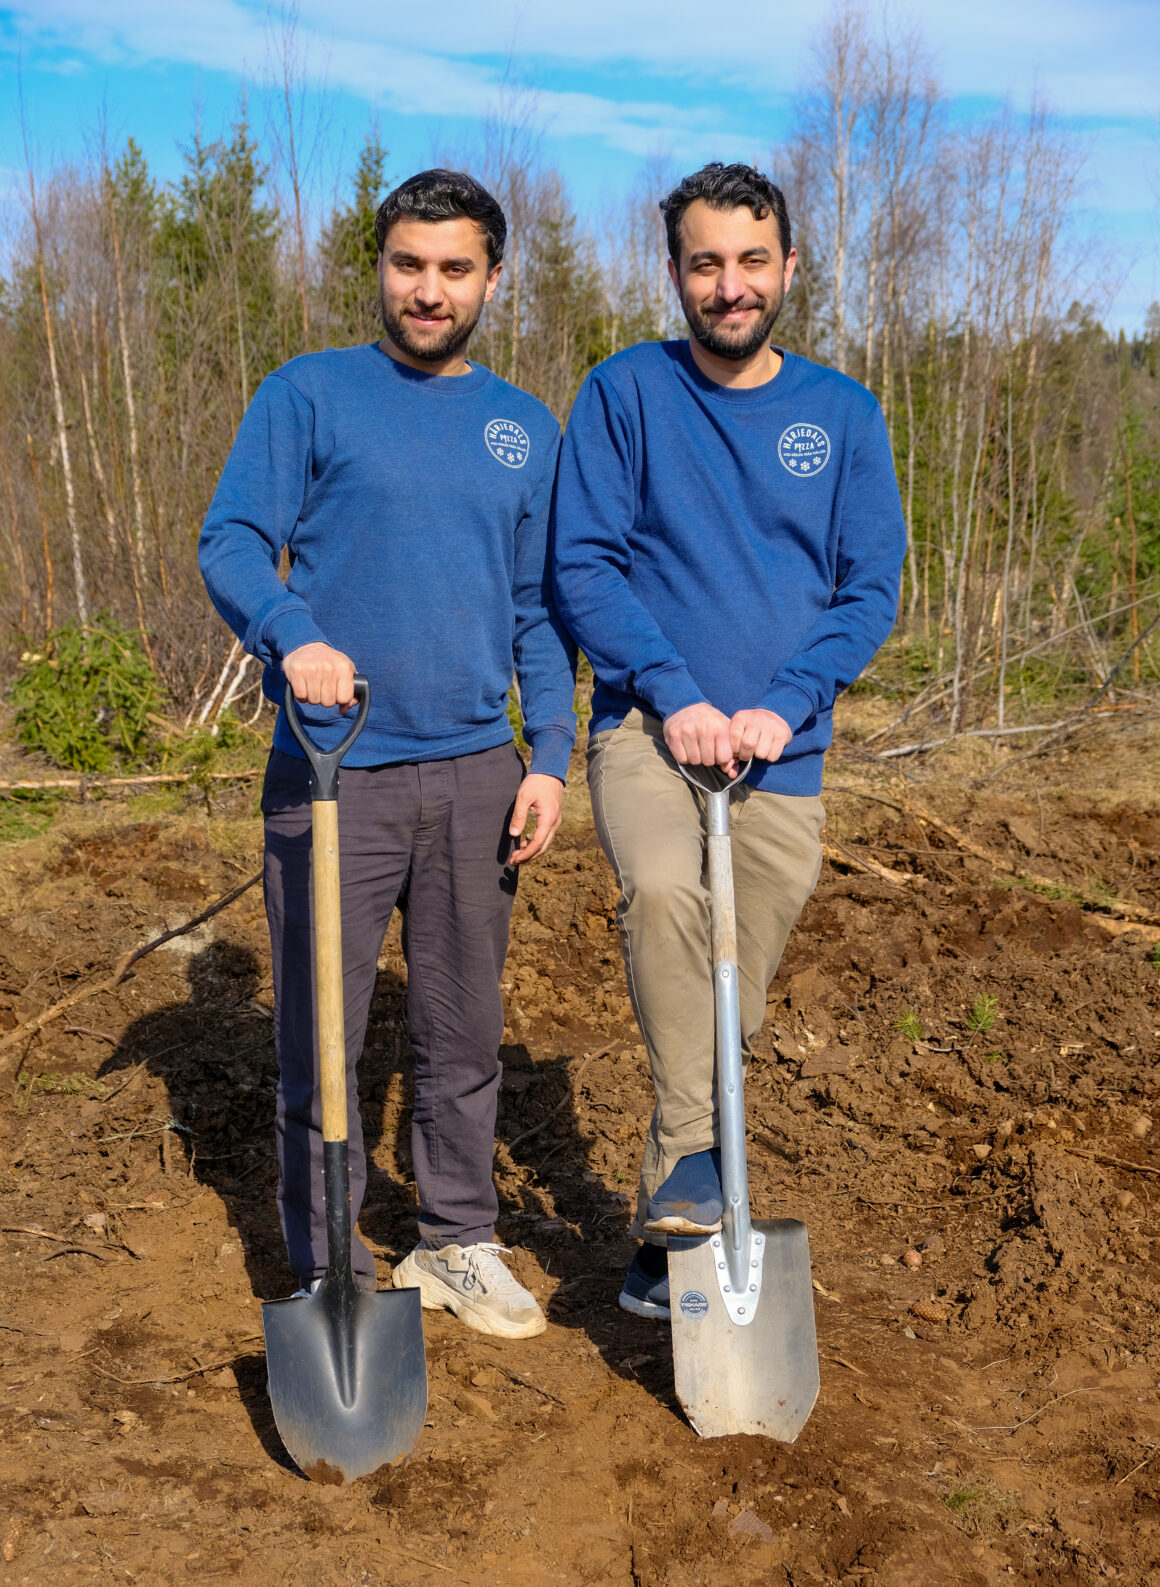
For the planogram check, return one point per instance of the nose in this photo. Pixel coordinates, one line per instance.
(429, 289)
(730, 286)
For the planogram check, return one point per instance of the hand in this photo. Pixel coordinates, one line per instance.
(758, 735)
(542, 797)
(698, 735)
(320, 674)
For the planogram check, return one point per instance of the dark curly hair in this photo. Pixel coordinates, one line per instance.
(726, 187)
(444, 195)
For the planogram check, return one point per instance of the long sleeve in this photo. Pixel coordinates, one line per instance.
(252, 516)
(593, 514)
(871, 547)
(545, 654)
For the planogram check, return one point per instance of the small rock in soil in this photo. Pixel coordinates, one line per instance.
(475, 1405)
(746, 1524)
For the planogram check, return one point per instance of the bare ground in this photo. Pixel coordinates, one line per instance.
(988, 1416)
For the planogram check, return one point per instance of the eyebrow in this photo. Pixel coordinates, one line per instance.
(401, 256)
(703, 254)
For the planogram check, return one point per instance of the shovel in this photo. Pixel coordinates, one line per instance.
(347, 1369)
(745, 1353)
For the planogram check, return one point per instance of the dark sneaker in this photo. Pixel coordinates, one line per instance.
(472, 1282)
(645, 1294)
(689, 1201)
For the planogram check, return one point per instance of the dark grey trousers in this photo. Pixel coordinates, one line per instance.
(431, 838)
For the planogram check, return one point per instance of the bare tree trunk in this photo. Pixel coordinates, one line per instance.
(17, 548)
(514, 267)
(79, 581)
(130, 405)
(94, 451)
(48, 578)
(1006, 585)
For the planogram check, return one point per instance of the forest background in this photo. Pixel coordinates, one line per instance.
(940, 262)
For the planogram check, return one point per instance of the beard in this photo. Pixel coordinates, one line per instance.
(740, 342)
(432, 347)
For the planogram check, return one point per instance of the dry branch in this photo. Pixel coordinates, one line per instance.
(839, 854)
(29, 1027)
(568, 1096)
(83, 784)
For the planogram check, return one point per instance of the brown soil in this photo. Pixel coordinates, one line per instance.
(988, 1416)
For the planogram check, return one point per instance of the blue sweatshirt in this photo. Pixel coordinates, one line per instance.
(414, 508)
(741, 547)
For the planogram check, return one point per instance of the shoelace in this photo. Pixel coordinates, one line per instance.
(485, 1258)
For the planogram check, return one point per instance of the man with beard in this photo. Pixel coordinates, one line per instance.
(728, 541)
(410, 489)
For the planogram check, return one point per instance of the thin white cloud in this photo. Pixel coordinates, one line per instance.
(222, 35)
(1085, 59)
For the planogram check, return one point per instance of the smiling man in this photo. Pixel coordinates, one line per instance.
(728, 541)
(411, 490)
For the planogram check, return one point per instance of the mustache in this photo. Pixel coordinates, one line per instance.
(723, 305)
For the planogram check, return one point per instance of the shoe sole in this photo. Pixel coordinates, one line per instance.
(435, 1296)
(644, 1308)
(675, 1224)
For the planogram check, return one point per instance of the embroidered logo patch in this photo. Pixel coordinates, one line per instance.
(507, 441)
(693, 1303)
(804, 450)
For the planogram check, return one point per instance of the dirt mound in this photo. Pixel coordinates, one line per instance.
(955, 1090)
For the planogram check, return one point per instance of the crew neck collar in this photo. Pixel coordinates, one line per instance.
(476, 377)
(752, 396)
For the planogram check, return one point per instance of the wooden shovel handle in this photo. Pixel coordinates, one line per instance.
(328, 970)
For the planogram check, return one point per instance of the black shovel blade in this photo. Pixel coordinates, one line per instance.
(760, 1378)
(348, 1378)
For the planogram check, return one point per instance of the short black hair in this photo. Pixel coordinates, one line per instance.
(444, 195)
(726, 187)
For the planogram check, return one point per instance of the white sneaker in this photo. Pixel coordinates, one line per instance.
(472, 1282)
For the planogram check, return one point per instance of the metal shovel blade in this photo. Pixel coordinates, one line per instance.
(758, 1378)
(348, 1378)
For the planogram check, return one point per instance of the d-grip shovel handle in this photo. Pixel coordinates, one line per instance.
(712, 779)
(324, 764)
(328, 927)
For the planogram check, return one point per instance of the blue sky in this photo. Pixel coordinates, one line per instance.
(615, 83)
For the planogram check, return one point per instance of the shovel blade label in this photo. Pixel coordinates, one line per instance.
(694, 1304)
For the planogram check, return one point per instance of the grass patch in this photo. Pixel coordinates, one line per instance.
(981, 1507)
(995, 1057)
(24, 814)
(58, 1085)
(1058, 892)
(909, 1025)
(162, 801)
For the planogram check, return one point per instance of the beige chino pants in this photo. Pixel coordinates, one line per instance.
(651, 826)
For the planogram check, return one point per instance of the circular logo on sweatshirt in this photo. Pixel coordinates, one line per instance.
(804, 450)
(507, 441)
(693, 1303)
